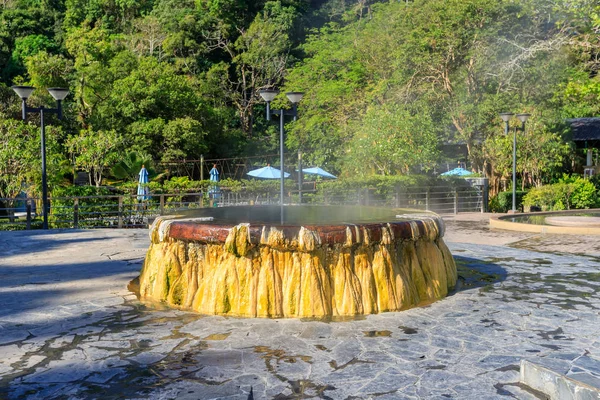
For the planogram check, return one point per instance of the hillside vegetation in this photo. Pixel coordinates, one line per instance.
(389, 85)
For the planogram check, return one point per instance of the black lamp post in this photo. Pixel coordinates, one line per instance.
(59, 95)
(294, 97)
(506, 118)
(299, 176)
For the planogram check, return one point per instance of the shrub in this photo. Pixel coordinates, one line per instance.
(181, 184)
(595, 179)
(61, 211)
(547, 197)
(35, 224)
(584, 195)
(567, 193)
(502, 202)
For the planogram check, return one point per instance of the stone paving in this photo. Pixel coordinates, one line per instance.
(70, 329)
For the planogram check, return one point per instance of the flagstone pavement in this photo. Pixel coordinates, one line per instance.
(70, 329)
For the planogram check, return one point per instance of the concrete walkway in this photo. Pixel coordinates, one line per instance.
(70, 329)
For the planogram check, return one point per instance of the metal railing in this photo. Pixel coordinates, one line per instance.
(126, 211)
(439, 200)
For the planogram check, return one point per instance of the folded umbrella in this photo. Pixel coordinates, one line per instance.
(214, 174)
(142, 189)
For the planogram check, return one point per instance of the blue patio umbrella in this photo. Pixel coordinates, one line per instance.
(457, 172)
(318, 171)
(268, 172)
(142, 189)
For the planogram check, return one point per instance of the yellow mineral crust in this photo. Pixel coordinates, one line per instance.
(298, 276)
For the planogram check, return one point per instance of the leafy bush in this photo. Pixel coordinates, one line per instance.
(595, 179)
(569, 192)
(233, 185)
(178, 184)
(80, 191)
(63, 200)
(35, 224)
(502, 202)
(585, 193)
(547, 198)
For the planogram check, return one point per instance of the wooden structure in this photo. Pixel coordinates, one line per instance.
(586, 135)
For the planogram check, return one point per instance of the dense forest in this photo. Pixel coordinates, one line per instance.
(391, 86)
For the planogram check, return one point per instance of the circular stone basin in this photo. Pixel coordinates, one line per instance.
(322, 262)
(571, 222)
(574, 221)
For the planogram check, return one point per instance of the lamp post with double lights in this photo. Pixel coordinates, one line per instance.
(506, 118)
(294, 97)
(59, 94)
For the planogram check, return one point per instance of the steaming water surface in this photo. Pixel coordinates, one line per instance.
(298, 215)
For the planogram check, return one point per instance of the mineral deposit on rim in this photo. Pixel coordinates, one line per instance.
(297, 271)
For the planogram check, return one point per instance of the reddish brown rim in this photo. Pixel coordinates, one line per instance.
(328, 234)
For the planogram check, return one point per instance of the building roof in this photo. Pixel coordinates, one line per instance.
(585, 128)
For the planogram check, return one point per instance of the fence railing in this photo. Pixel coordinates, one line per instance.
(127, 211)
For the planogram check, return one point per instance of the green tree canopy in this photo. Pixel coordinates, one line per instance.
(388, 85)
